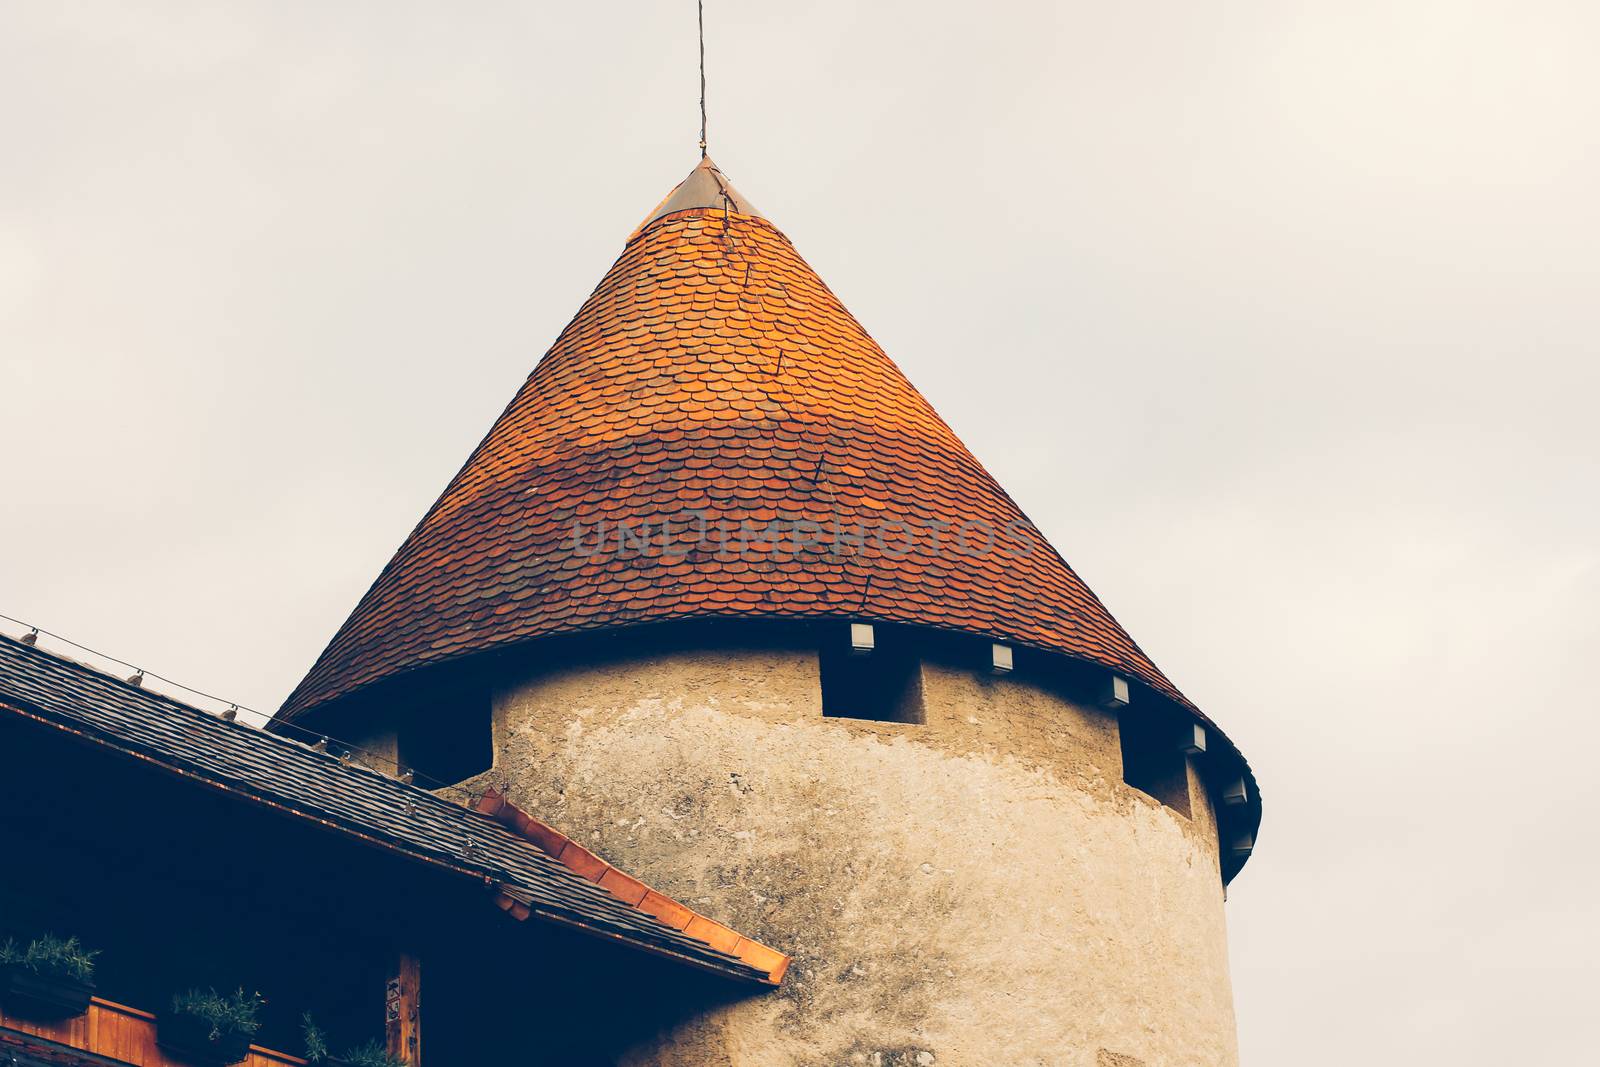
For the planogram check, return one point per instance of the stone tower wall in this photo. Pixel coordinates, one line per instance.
(978, 889)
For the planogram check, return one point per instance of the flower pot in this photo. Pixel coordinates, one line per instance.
(36, 995)
(188, 1037)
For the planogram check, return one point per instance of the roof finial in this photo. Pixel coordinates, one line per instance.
(701, 7)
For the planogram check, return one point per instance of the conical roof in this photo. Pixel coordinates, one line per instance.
(710, 387)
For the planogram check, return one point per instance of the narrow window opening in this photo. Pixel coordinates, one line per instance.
(448, 740)
(1153, 762)
(883, 685)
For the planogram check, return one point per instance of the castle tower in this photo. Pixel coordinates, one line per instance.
(723, 598)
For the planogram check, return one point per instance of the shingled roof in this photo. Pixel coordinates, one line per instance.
(711, 386)
(505, 849)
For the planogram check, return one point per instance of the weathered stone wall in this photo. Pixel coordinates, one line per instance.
(978, 889)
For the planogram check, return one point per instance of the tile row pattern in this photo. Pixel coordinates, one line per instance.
(711, 386)
(269, 768)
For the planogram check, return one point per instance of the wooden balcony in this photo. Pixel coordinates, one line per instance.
(122, 1034)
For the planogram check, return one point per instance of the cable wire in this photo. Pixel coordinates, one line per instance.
(701, 5)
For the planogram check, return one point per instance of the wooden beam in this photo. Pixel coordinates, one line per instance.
(403, 1010)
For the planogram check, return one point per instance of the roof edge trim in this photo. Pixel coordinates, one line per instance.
(628, 890)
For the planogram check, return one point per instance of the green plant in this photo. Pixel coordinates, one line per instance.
(62, 958)
(371, 1054)
(316, 1040)
(236, 1013)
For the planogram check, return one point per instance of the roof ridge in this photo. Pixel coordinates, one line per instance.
(218, 722)
(89, 668)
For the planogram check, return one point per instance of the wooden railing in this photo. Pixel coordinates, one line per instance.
(126, 1034)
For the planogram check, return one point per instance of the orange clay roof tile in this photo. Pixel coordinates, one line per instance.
(710, 385)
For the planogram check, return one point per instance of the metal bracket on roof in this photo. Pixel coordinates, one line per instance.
(1115, 693)
(862, 640)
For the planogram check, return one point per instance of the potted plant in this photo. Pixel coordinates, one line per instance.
(371, 1054)
(207, 1028)
(50, 979)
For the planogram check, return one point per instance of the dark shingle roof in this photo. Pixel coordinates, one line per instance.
(354, 799)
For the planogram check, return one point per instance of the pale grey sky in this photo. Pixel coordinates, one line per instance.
(1280, 319)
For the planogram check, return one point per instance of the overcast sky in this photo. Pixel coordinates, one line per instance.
(1280, 318)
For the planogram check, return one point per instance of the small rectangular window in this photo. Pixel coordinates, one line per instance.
(1153, 761)
(449, 739)
(881, 685)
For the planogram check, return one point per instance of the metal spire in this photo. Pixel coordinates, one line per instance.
(701, 5)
